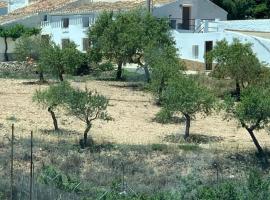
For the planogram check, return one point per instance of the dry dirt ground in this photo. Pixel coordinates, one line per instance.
(152, 160)
(132, 111)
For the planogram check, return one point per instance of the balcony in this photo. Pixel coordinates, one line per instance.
(192, 25)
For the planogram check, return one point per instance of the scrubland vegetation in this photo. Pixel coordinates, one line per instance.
(102, 131)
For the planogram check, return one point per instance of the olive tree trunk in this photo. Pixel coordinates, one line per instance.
(237, 90)
(119, 70)
(55, 123)
(255, 141)
(258, 146)
(61, 78)
(85, 134)
(6, 49)
(188, 119)
(41, 77)
(147, 74)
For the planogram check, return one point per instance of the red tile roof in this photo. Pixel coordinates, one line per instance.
(3, 4)
(71, 6)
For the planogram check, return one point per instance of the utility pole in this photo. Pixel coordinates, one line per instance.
(149, 6)
(31, 166)
(11, 162)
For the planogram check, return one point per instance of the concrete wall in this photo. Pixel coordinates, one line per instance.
(200, 9)
(75, 32)
(11, 47)
(185, 41)
(259, 25)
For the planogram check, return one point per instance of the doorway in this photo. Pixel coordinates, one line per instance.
(186, 17)
(208, 48)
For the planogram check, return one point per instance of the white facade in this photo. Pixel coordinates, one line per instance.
(75, 32)
(228, 30)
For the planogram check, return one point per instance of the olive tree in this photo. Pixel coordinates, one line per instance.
(87, 106)
(252, 112)
(53, 97)
(237, 61)
(184, 95)
(164, 64)
(14, 32)
(124, 37)
(58, 60)
(29, 48)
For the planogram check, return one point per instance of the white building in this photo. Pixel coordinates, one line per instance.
(204, 23)
(196, 24)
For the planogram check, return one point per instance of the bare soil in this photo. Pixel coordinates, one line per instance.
(133, 114)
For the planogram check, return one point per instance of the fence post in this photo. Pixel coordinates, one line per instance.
(11, 163)
(31, 166)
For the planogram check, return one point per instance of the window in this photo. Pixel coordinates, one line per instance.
(45, 18)
(65, 22)
(85, 44)
(65, 42)
(85, 21)
(195, 51)
(173, 23)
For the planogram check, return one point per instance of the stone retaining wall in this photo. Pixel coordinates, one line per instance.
(17, 67)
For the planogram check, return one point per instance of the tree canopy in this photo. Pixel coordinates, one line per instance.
(245, 9)
(123, 37)
(252, 112)
(58, 61)
(237, 61)
(15, 32)
(184, 95)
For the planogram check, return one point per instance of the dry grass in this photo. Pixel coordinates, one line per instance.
(132, 112)
(146, 148)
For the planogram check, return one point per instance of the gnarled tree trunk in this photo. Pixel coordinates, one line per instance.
(119, 70)
(237, 90)
(6, 49)
(188, 119)
(50, 110)
(147, 74)
(61, 78)
(41, 77)
(85, 134)
(255, 141)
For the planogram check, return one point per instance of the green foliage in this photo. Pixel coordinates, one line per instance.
(236, 61)
(87, 105)
(58, 61)
(54, 96)
(164, 64)
(184, 95)
(54, 177)
(245, 9)
(164, 116)
(106, 66)
(130, 32)
(17, 31)
(253, 110)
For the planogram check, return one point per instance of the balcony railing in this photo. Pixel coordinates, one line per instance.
(73, 21)
(191, 25)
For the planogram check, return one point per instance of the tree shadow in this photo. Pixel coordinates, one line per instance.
(193, 138)
(251, 158)
(138, 86)
(59, 132)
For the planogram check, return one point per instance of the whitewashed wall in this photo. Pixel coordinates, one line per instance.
(260, 25)
(11, 47)
(185, 41)
(75, 32)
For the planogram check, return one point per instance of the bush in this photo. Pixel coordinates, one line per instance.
(106, 66)
(164, 116)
